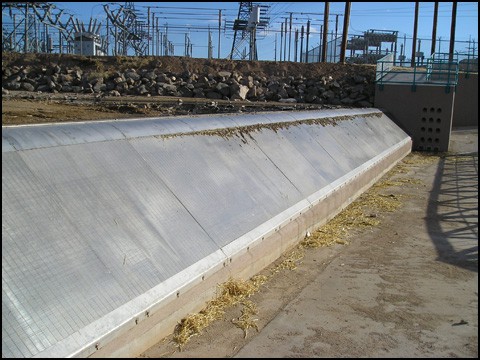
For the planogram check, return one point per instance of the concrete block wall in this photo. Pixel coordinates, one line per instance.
(428, 113)
(424, 112)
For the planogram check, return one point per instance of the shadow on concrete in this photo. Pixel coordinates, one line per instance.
(452, 213)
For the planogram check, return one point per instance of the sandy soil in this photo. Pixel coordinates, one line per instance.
(21, 108)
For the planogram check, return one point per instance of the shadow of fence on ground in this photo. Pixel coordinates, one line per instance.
(452, 213)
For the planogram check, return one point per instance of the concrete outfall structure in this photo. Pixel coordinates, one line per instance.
(113, 231)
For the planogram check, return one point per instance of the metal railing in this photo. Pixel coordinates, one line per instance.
(443, 67)
(468, 63)
(440, 70)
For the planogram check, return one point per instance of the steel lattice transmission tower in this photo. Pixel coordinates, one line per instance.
(251, 17)
(130, 29)
(37, 27)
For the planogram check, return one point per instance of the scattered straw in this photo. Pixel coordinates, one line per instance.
(362, 213)
(245, 321)
(291, 261)
(259, 280)
(398, 182)
(230, 293)
(421, 158)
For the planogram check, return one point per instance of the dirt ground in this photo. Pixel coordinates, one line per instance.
(22, 108)
(406, 287)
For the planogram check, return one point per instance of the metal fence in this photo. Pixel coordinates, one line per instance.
(441, 69)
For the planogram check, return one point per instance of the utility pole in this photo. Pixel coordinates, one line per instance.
(345, 32)
(296, 44)
(115, 41)
(219, 30)
(153, 34)
(452, 31)
(148, 30)
(301, 44)
(418, 51)
(275, 47)
(401, 55)
(331, 41)
(209, 43)
(434, 30)
(159, 37)
(290, 37)
(285, 44)
(308, 36)
(281, 40)
(336, 35)
(415, 28)
(253, 44)
(166, 42)
(320, 47)
(325, 32)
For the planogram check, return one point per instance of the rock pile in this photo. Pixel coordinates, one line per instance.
(356, 90)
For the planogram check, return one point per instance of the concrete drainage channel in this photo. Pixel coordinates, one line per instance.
(112, 231)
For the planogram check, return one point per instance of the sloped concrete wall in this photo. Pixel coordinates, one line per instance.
(113, 231)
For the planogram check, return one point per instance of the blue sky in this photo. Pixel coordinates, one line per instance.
(190, 17)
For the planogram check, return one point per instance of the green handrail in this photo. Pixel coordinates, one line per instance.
(439, 70)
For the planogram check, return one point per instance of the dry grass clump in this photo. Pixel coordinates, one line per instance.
(289, 262)
(230, 293)
(328, 234)
(361, 213)
(398, 182)
(245, 321)
(421, 158)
